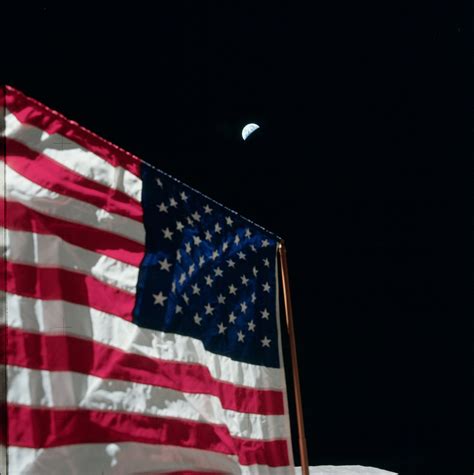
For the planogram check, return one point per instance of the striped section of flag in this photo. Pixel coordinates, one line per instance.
(141, 331)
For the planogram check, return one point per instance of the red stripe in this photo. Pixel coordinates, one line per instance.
(3, 409)
(46, 428)
(61, 284)
(21, 218)
(69, 353)
(53, 176)
(32, 112)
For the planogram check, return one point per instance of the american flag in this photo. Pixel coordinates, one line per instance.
(141, 331)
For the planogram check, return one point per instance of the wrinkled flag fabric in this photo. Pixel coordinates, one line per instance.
(140, 330)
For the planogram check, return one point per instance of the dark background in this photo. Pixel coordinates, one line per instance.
(362, 163)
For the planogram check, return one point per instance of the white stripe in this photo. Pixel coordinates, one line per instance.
(73, 156)
(128, 458)
(51, 251)
(30, 194)
(57, 316)
(71, 390)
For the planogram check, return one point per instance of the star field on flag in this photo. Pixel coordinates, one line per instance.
(207, 273)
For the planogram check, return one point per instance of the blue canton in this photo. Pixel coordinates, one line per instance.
(207, 273)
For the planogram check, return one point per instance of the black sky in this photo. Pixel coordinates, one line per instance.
(362, 163)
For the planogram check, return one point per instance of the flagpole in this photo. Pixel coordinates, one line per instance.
(294, 359)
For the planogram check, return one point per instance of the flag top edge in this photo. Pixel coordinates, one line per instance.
(134, 158)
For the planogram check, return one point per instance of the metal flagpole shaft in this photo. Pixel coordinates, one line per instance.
(294, 359)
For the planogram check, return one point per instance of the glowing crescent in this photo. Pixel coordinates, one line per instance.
(248, 129)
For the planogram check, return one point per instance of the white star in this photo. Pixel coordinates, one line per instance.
(163, 208)
(197, 240)
(266, 262)
(183, 195)
(196, 289)
(173, 203)
(159, 299)
(230, 263)
(164, 265)
(190, 221)
(266, 287)
(179, 226)
(167, 233)
(196, 216)
(244, 280)
(218, 272)
(207, 209)
(265, 243)
(187, 246)
(182, 278)
(253, 248)
(173, 287)
(241, 255)
(209, 280)
(237, 240)
(265, 313)
(178, 255)
(255, 271)
(209, 309)
(254, 297)
(208, 236)
(225, 246)
(232, 289)
(197, 319)
(215, 255)
(248, 234)
(178, 309)
(232, 317)
(217, 228)
(222, 328)
(240, 336)
(201, 261)
(243, 307)
(186, 298)
(221, 299)
(229, 221)
(266, 342)
(158, 182)
(191, 269)
(251, 326)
